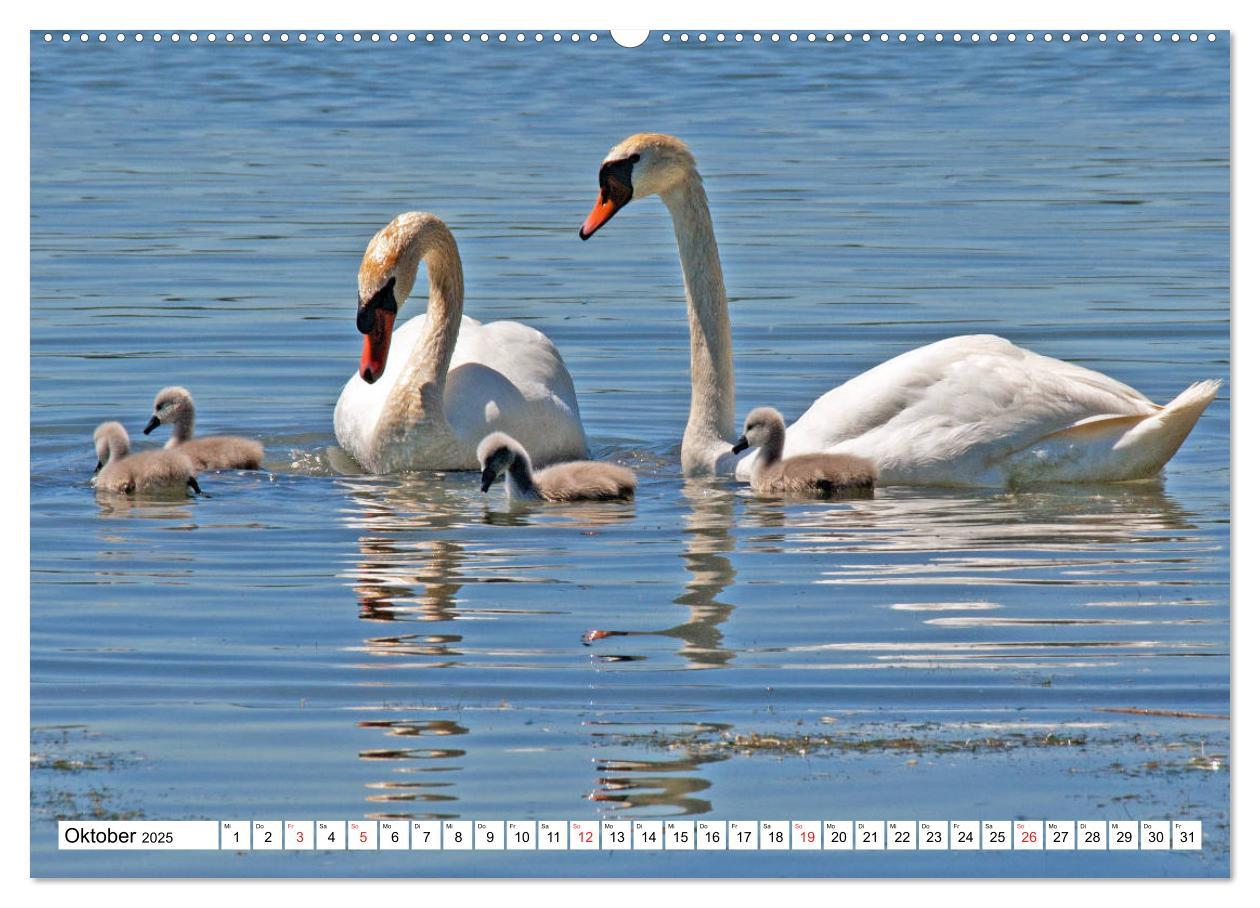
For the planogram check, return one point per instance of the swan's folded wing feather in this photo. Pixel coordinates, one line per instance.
(1108, 448)
(951, 411)
(525, 355)
(549, 413)
(509, 377)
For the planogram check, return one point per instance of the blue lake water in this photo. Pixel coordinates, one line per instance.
(304, 643)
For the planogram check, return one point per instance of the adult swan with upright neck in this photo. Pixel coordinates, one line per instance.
(425, 396)
(973, 410)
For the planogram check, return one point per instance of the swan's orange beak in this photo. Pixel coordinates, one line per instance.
(376, 345)
(615, 192)
(600, 215)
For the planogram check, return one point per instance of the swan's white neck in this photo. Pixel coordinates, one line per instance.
(415, 400)
(711, 422)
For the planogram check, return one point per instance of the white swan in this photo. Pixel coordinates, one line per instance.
(450, 380)
(972, 410)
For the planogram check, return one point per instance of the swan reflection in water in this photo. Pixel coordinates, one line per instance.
(910, 518)
(423, 538)
(654, 786)
(414, 557)
(994, 537)
(707, 539)
(117, 504)
(844, 542)
(408, 569)
(424, 792)
(671, 785)
(127, 558)
(1008, 536)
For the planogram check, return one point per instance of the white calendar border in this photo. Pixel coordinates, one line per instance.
(658, 14)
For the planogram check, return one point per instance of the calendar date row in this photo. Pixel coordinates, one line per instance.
(634, 835)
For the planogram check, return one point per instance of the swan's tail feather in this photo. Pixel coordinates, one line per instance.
(1196, 398)
(1174, 421)
(1114, 448)
(1143, 450)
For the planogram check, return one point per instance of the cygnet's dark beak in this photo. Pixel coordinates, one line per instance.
(99, 465)
(152, 424)
(740, 445)
(488, 476)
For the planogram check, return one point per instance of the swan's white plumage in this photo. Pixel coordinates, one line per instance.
(504, 376)
(448, 380)
(978, 410)
(974, 410)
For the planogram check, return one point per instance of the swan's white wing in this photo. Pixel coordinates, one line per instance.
(525, 355)
(953, 411)
(504, 376)
(538, 405)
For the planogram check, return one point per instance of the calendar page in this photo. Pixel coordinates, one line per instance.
(720, 452)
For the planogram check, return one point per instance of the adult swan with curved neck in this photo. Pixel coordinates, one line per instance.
(424, 397)
(973, 410)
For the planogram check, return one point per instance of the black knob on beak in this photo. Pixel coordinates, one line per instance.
(365, 318)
